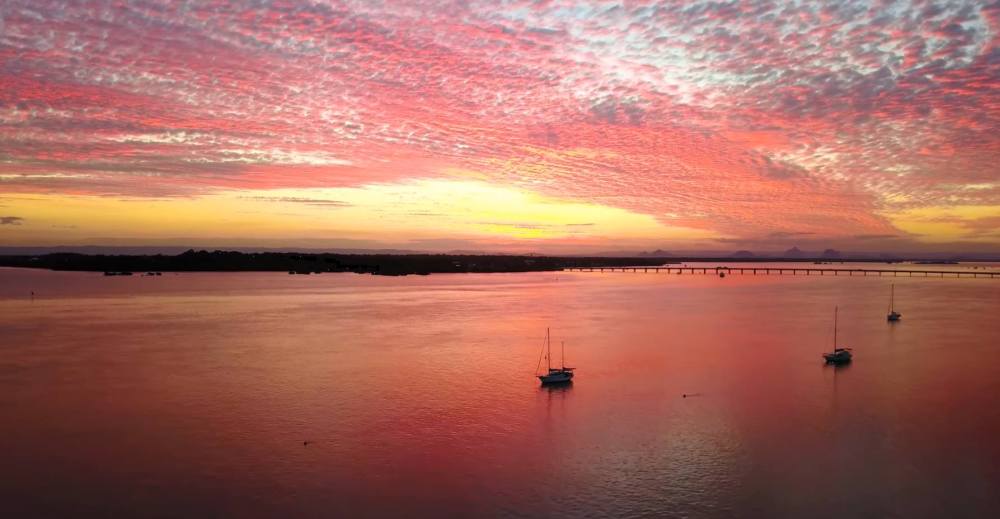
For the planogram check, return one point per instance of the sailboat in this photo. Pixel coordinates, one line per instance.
(560, 375)
(893, 315)
(838, 355)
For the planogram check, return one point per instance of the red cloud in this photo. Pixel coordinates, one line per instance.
(746, 119)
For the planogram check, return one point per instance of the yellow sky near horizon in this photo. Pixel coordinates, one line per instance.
(415, 213)
(390, 213)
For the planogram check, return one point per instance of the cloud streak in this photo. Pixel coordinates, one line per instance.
(745, 119)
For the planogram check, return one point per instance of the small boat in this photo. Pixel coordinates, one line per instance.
(838, 355)
(560, 375)
(893, 315)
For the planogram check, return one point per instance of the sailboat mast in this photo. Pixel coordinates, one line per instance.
(892, 295)
(835, 310)
(548, 349)
(563, 355)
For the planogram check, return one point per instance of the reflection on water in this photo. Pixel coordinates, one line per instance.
(555, 393)
(697, 396)
(839, 367)
(556, 388)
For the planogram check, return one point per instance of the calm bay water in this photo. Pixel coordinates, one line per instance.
(192, 394)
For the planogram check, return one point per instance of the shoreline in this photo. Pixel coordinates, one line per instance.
(381, 264)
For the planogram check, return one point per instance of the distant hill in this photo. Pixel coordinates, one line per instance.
(794, 252)
(674, 255)
(309, 263)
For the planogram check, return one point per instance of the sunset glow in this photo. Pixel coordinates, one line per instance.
(504, 126)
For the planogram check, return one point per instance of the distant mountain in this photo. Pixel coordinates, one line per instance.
(479, 252)
(794, 252)
(831, 254)
(658, 253)
(742, 254)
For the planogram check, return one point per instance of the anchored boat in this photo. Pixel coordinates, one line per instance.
(560, 375)
(838, 355)
(893, 314)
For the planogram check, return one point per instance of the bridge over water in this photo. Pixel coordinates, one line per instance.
(796, 271)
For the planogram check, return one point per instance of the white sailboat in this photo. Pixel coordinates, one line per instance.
(560, 375)
(838, 355)
(893, 314)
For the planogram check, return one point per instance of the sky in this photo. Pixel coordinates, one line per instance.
(517, 126)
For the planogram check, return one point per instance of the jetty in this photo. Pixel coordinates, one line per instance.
(794, 271)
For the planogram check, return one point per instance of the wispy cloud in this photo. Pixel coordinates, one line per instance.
(298, 200)
(748, 119)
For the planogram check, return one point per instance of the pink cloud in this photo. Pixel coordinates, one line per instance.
(747, 119)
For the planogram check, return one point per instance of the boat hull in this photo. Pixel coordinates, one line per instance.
(556, 378)
(838, 356)
(893, 316)
(832, 358)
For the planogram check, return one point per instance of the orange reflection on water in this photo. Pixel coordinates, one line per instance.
(194, 394)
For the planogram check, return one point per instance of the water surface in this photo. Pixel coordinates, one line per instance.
(192, 394)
